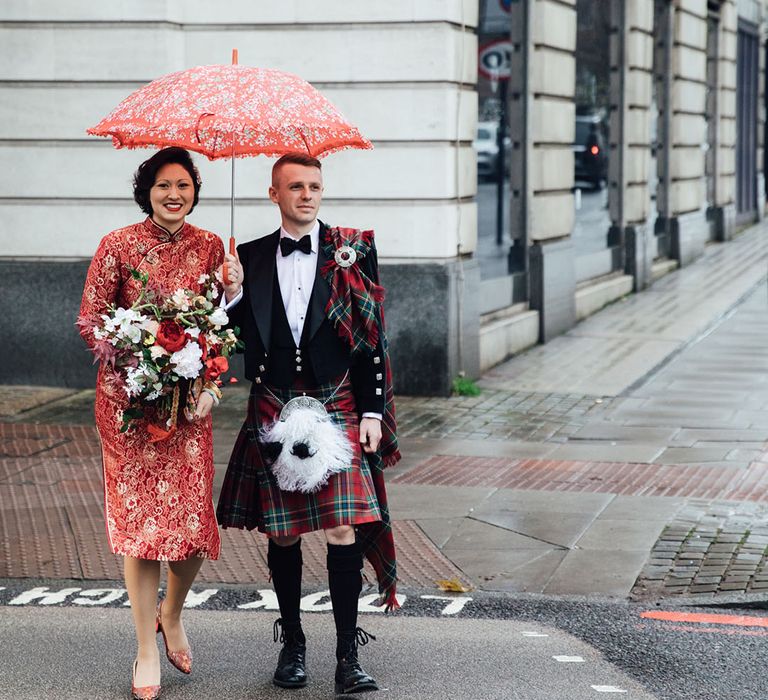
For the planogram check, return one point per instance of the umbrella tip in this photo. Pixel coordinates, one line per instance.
(234, 57)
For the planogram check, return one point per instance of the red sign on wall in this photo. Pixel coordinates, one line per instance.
(494, 59)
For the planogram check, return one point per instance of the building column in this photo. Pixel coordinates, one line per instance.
(629, 162)
(722, 109)
(542, 115)
(682, 76)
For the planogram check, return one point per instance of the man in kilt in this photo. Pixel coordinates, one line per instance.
(311, 319)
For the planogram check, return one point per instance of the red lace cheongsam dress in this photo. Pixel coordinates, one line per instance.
(158, 497)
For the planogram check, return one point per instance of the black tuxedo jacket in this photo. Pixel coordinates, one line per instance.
(271, 354)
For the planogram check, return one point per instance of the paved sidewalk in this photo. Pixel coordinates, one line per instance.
(586, 466)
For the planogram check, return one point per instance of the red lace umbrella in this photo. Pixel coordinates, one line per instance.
(230, 111)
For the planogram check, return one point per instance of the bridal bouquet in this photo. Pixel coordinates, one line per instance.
(164, 343)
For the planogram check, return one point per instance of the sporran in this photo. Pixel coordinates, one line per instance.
(305, 445)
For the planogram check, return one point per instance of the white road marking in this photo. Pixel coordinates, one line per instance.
(193, 599)
(103, 596)
(43, 596)
(456, 604)
(267, 600)
(534, 634)
(569, 659)
(608, 689)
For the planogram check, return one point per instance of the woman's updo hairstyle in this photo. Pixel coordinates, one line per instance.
(144, 178)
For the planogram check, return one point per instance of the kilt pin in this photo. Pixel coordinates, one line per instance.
(342, 361)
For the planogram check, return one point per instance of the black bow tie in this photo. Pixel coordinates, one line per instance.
(288, 245)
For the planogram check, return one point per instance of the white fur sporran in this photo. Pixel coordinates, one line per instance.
(312, 446)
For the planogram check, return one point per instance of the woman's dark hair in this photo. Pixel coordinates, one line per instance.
(144, 178)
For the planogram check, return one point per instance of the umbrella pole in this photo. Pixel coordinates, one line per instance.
(232, 206)
(232, 245)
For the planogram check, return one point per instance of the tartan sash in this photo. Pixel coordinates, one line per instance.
(356, 310)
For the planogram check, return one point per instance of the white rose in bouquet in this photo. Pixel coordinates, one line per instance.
(219, 317)
(188, 360)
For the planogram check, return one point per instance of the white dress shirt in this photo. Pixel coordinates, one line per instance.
(296, 275)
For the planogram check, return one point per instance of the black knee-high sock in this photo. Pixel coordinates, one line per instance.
(345, 562)
(285, 565)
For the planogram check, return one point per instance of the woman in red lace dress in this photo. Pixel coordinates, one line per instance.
(158, 496)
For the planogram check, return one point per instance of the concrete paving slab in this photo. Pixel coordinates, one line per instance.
(470, 533)
(661, 418)
(724, 435)
(602, 452)
(597, 571)
(552, 501)
(523, 571)
(754, 419)
(630, 508)
(605, 533)
(724, 444)
(699, 396)
(475, 448)
(15, 400)
(692, 455)
(551, 527)
(622, 433)
(744, 456)
(418, 502)
(440, 530)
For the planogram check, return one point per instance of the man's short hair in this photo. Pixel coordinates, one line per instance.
(297, 159)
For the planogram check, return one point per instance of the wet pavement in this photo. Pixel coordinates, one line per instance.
(576, 471)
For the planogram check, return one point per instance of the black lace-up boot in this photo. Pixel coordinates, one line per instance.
(350, 676)
(285, 566)
(291, 664)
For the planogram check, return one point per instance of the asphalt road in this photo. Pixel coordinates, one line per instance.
(492, 646)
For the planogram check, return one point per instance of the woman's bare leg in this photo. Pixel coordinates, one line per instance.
(181, 576)
(142, 578)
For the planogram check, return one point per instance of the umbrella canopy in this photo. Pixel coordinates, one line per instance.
(227, 110)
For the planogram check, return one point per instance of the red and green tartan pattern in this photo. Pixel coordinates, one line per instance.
(356, 309)
(354, 296)
(250, 497)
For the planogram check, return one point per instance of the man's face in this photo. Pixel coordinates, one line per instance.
(297, 190)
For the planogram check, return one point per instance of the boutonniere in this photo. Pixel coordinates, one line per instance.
(344, 247)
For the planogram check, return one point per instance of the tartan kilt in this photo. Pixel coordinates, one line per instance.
(250, 496)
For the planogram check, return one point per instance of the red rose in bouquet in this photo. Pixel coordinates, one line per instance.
(215, 367)
(171, 336)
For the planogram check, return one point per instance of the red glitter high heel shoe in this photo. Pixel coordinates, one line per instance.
(181, 660)
(146, 692)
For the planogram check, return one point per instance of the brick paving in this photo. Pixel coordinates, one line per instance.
(709, 549)
(620, 478)
(52, 522)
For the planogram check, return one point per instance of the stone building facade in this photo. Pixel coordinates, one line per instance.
(685, 167)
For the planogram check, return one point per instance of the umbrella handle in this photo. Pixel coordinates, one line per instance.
(232, 251)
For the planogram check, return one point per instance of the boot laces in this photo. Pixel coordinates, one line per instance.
(286, 637)
(358, 638)
(362, 637)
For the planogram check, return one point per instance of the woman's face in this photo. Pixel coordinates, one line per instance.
(171, 196)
